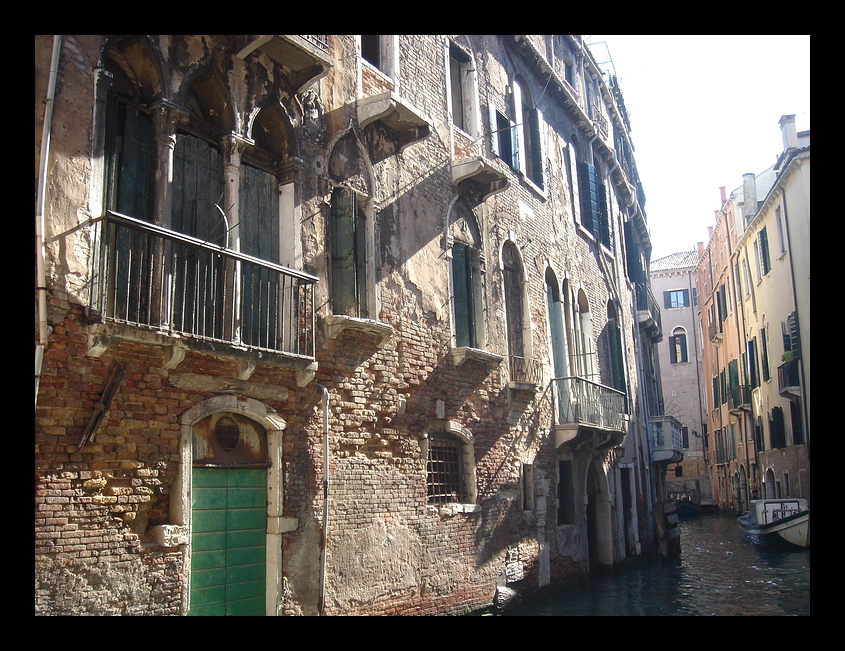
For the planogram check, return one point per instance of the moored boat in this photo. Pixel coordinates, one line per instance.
(780, 521)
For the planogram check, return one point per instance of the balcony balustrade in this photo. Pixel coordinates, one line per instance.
(583, 407)
(789, 379)
(648, 312)
(525, 371)
(739, 398)
(152, 278)
(667, 443)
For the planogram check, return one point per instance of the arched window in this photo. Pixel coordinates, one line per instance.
(529, 135)
(678, 346)
(348, 236)
(615, 349)
(557, 330)
(523, 368)
(466, 269)
(585, 352)
(130, 149)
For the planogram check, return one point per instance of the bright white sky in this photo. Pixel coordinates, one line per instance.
(704, 110)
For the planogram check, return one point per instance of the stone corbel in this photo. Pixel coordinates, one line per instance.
(305, 375)
(397, 114)
(337, 323)
(464, 353)
(482, 174)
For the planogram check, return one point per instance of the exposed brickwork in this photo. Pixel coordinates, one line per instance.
(388, 551)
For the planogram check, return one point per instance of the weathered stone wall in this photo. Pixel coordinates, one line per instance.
(387, 550)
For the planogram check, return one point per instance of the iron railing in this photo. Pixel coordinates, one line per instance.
(788, 376)
(647, 303)
(739, 397)
(580, 401)
(526, 370)
(152, 277)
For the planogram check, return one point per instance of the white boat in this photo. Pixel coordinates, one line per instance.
(777, 522)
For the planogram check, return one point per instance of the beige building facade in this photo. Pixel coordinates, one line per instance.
(753, 281)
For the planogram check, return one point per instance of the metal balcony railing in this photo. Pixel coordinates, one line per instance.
(582, 402)
(789, 379)
(739, 398)
(648, 308)
(155, 278)
(526, 370)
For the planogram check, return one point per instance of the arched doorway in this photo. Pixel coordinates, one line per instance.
(231, 501)
(599, 533)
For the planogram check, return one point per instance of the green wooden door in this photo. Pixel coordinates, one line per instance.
(229, 539)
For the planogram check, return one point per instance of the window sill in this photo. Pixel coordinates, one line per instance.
(464, 353)
(337, 323)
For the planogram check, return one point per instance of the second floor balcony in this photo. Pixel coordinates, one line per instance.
(789, 379)
(648, 312)
(667, 443)
(739, 399)
(205, 296)
(588, 412)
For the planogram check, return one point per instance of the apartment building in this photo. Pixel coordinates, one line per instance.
(753, 281)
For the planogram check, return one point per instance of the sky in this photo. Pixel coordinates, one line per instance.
(704, 110)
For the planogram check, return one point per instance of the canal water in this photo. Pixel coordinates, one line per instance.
(719, 572)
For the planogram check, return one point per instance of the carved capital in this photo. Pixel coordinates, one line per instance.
(167, 116)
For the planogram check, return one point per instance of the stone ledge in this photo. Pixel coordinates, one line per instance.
(464, 353)
(337, 323)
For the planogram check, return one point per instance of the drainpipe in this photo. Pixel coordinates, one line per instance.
(324, 541)
(41, 274)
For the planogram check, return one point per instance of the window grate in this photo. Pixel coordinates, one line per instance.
(445, 471)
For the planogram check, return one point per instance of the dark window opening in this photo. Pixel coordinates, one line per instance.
(445, 470)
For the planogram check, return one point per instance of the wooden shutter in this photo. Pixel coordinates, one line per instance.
(632, 254)
(259, 214)
(533, 118)
(604, 214)
(133, 162)
(590, 198)
(764, 251)
(794, 336)
(463, 296)
(513, 300)
(348, 250)
(617, 368)
(197, 188)
(258, 219)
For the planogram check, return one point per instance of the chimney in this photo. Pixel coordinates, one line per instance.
(700, 249)
(749, 197)
(787, 131)
(722, 194)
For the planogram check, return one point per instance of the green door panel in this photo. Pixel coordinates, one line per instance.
(229, 538)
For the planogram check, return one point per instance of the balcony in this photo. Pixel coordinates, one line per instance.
(667, 444)
(405, 121)
(307, 57)
(526, 374)
(715, 332)
(648, 312)
(739, 399)
(588, 413)
(181, 290)
(789, 380)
